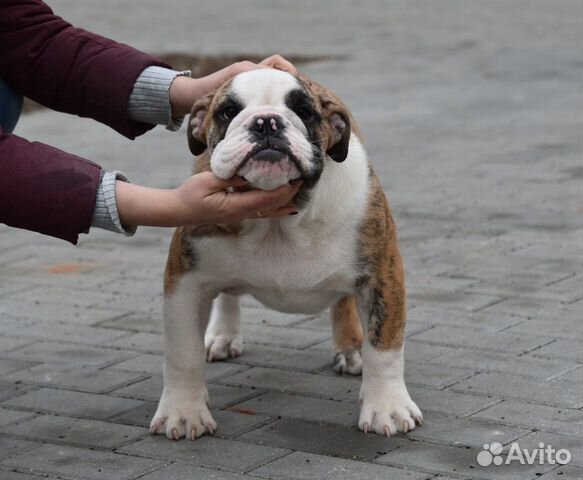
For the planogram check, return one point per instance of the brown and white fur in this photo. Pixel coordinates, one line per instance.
(340, 251)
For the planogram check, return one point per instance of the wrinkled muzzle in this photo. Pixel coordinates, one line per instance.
(264, 147)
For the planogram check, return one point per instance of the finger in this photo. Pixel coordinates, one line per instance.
(280, 63)
(280, 212)
(261, 200)
(243, 66)
(215, 184)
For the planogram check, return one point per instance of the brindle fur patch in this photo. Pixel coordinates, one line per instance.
(182, 256)
(346, 326)
(381, 281)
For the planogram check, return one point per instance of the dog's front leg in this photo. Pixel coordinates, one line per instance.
(183, 410)
(386, 407)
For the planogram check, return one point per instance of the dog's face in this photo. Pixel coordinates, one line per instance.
(270, 128)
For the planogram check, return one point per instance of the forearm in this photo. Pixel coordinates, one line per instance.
(138, 205)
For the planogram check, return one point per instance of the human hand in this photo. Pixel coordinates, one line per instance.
(202, 199)
(185, 91)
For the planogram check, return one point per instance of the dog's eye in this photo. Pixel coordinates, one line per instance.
(230, 112)
(305, 113)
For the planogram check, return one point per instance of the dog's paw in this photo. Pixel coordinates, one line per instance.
(388, 412)
(182, 416)
(348, 362)
(221, 346)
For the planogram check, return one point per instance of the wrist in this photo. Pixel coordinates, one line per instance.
(145, 206)
(184, 92)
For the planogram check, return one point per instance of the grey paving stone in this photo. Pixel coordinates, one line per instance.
(574, 375)
(153, 364)
(540, 417)
(324, 439)
(9, 365)
(424, 352)
(10, 416)
(235, 421)
(63, 296)
(134, 322)
(465, 301)
(487, 361)
(267, 317)
(556, 327)
(435, 376)
(53, 352)
(181, 471)
(230, 455)
(567, 349)
(571, 443)
(140, 342)
(84, 379)
(66, 333)
(307, 466)
(527, 307)
(7, 344)
(75, 431)
(139, 416)
(283, 381)
(55, 313)
(564, 473)
(126, 302)
(449, 316)
(303, 408)
(9, 390)
(470, 338)
(459, 462)
(292, 337)
(524, 388)
(219, 395)
(146, 363)
(450, 403)
(464, 432)
(20, 476)
(76, 463)
(12, 446)
(70, 403)
(269, 356)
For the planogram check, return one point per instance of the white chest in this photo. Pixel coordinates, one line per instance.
(301, 263)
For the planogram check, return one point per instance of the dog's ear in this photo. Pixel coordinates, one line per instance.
(198, 125)
(338, 123)
(339, 131)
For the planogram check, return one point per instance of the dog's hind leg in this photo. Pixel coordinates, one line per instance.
(223, 337)
(347, 332)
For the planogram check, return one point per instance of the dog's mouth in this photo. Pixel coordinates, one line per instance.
(268, 168)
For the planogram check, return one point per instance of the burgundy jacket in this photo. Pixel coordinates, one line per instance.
(69, 70)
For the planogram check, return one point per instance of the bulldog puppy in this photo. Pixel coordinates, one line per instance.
(340, 251)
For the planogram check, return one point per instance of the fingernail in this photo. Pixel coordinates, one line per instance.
(293, 213)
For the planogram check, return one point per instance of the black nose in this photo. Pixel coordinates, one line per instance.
(267, 125)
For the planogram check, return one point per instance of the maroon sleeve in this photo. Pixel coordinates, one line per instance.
(67, 68)
(44, 189)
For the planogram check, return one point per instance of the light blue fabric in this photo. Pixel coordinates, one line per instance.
(10, 107)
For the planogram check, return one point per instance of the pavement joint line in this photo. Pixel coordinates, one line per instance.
(554, 282)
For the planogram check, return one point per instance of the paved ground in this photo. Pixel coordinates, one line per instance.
(471, 112)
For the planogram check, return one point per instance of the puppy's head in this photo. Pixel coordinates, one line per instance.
(270, 128)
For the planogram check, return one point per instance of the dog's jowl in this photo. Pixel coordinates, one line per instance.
(340, 251)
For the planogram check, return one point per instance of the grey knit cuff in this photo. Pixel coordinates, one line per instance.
(105, 214)
(149, 101)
